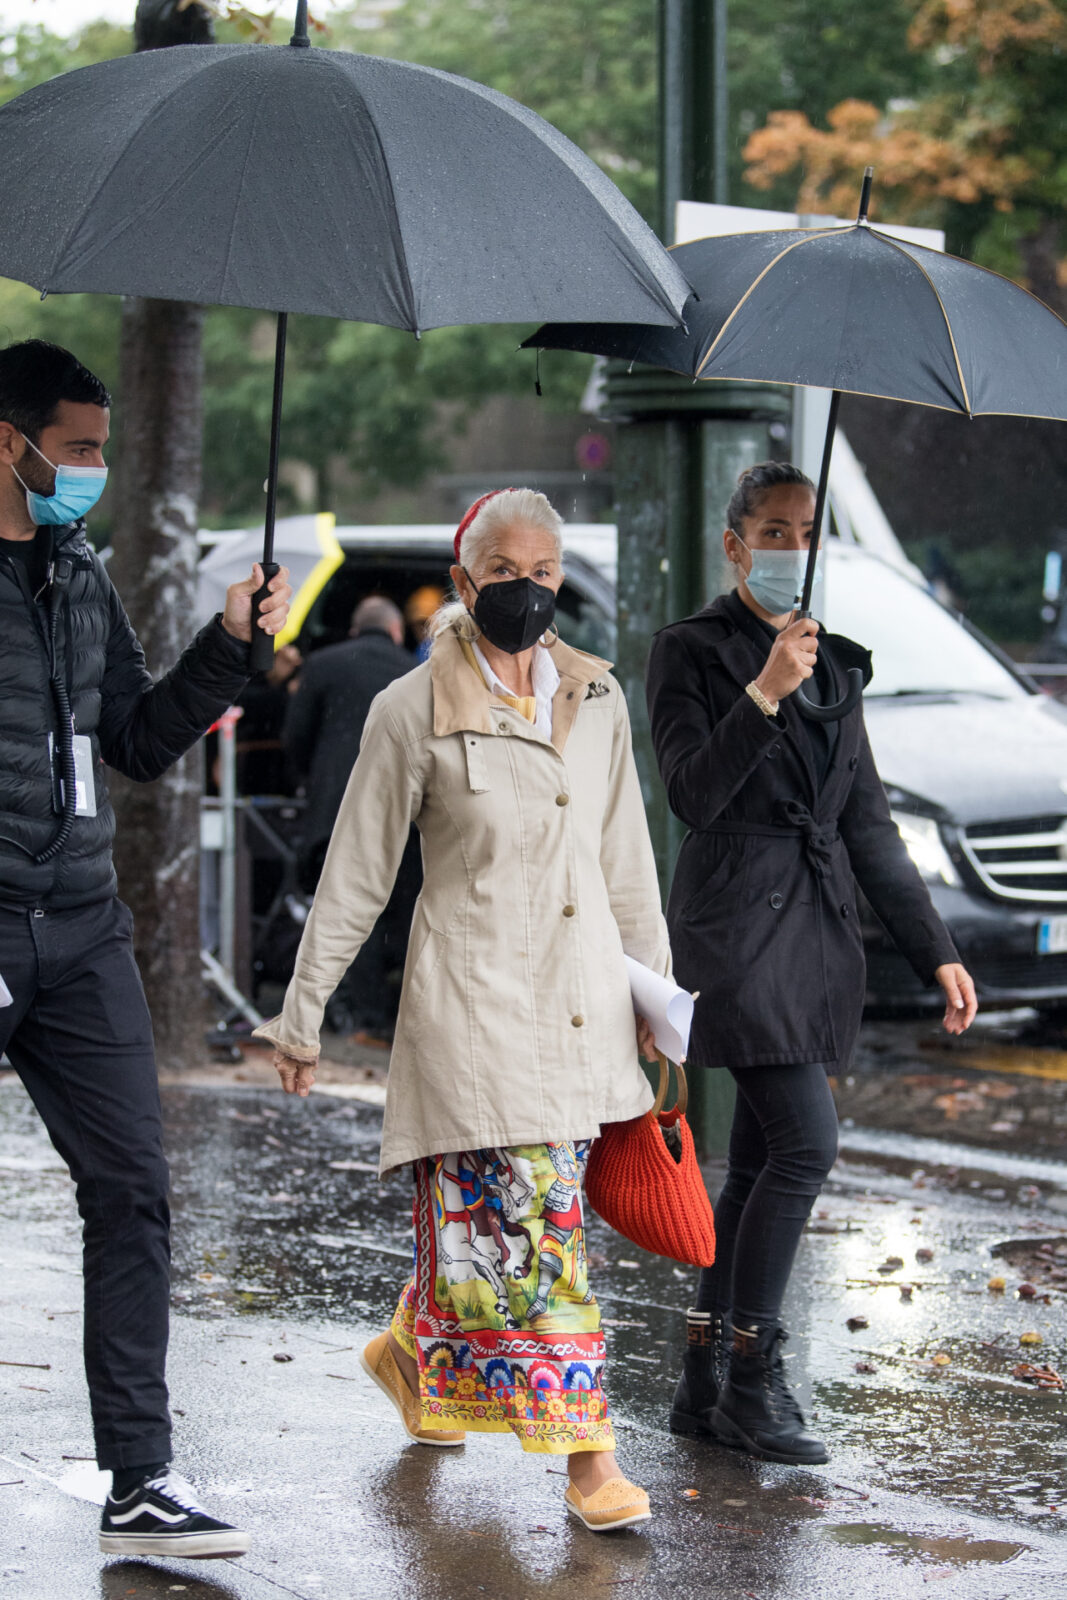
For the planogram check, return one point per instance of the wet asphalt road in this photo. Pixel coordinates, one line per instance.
(946, 1471)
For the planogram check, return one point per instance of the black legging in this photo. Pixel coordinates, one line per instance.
(783, 1143)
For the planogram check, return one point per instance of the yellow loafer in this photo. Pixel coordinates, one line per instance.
(378, 1363)
(616, 1504)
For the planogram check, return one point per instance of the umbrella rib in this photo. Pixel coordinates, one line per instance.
(884, 237)
(233, 219)
(402, 256)
(754, 285)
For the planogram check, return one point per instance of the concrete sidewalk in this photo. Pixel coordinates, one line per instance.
(946, 1473)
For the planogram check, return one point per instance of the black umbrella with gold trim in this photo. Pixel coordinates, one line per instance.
(852, 310)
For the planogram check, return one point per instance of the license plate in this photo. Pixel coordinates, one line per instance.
(1052, 936)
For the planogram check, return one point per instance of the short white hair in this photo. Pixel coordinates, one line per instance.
(504, 510)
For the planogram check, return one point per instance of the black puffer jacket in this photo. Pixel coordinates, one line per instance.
(136, 726)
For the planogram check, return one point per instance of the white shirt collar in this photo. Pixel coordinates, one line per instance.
(545, 683)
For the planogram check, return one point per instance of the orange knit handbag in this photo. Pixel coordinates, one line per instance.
(643, 1179)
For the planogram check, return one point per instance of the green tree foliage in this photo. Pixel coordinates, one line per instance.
(808, 56)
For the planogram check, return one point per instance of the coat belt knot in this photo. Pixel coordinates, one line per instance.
(819, 840)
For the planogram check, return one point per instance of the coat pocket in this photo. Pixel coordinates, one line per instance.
(710, 879)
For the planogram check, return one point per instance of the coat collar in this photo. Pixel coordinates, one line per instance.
(462, 702)
(741, 657)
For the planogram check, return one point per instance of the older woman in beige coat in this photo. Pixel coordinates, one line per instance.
(516, 1038)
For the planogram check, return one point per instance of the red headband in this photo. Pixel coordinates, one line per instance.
(470, 515)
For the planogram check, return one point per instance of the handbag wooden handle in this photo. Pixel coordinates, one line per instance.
(682, 1096)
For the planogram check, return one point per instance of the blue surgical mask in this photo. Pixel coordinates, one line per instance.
(76, 492)
(776, 578)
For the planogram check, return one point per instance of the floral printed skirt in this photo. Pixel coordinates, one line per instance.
(499, 1313)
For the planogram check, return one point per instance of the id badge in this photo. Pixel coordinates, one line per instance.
(84, 787)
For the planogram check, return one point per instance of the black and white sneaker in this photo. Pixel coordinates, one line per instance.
(161, 1518)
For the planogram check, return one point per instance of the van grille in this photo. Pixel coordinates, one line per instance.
(1024, 859)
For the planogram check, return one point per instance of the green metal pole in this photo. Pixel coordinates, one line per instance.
(680, 448)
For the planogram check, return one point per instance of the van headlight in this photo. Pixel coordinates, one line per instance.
(923, 842)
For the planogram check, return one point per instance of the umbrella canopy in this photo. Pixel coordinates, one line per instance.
(851, 309)
(295, 179)
(306, 545)
(318, 181)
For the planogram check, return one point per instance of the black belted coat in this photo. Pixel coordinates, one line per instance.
(762, 910)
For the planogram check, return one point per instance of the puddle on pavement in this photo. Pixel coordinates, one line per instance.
(278, 1212)
(953, 1552)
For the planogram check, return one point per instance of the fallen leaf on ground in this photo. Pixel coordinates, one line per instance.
(855, 1323)
(924, 1254)
(1043, 1377)
(690, 1494)
(996, 1285)
(864, 1366)
(1026, 1291)
(1030, 1338)
(941, 1359)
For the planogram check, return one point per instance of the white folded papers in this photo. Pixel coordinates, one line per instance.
(5, 994)
(667, 1009)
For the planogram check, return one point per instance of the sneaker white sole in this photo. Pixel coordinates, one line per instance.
(609, 1527)
(205, 1546)
(436, 1444)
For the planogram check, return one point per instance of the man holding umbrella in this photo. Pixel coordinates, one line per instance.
(73, 1019)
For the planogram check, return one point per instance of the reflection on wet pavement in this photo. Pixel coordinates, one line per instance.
(946, 1468)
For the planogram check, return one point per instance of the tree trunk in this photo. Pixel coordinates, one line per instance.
(157, 847)
(1042, 253)
(157, 843)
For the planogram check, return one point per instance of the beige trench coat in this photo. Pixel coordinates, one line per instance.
(515, 1022)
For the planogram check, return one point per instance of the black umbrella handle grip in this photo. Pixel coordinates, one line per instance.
(849, 702)
(262, 643)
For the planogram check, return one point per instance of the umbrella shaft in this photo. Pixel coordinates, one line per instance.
(275, 438)
(820, 504)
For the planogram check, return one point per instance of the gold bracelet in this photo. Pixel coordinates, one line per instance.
(768, 707)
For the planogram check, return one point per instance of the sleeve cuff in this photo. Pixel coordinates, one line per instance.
(237, 651)
(271, 1031)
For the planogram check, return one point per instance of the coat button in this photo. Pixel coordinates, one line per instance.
(577, 1022)
(503, 727)
(563, 799)
(772, 752)
(776, 902)
(568, 911)
(844, 909)
(853, 763)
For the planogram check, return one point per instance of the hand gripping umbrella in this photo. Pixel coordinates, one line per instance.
(300, 180)
(850, 309)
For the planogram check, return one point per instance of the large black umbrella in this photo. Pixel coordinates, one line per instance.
(850, 309)
(294, 179)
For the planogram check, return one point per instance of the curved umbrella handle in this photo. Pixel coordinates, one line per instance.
(849, 702)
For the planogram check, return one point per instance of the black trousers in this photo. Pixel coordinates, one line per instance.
(783, 1142)
(80, 1038)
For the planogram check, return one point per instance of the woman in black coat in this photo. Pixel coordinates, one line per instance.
(785, 817)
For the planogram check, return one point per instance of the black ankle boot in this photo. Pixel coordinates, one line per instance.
(757, 1411)
(704, 1365)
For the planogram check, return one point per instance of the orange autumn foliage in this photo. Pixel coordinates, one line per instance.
(988, 27)
(917, 160)
(935, 149)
